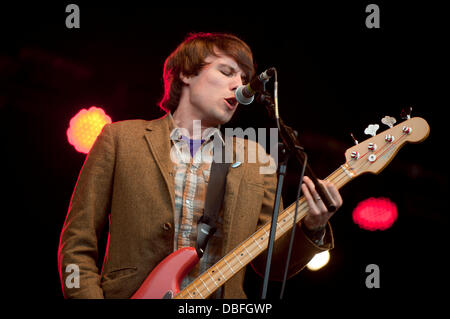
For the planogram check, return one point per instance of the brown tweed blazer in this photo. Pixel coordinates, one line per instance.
(127, 180)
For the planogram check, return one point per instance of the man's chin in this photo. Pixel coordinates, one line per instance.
(220, 119)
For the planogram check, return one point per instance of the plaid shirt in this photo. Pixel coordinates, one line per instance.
(191, 181)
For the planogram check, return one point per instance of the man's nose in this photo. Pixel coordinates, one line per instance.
(235, 83)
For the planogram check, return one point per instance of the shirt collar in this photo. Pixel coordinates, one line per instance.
(208, 134)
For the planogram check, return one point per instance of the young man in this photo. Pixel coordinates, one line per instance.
(153, 201)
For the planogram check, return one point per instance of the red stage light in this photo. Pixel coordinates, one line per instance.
(85, 126)
(375, 214)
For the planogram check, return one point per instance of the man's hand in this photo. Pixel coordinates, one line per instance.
(318, 215)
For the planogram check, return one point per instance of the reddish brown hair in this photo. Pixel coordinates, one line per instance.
(189, 58)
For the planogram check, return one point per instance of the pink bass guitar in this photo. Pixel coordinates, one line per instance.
(370, 156)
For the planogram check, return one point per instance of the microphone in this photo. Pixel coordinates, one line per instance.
(245, 94)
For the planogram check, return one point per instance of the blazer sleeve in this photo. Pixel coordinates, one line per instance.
(87, 214)
(303, 249)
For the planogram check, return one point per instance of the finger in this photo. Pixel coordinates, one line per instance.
(314, 218)
(315, 195)
(310, 200)
(336, 196)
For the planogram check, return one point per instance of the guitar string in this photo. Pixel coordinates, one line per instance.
(340, 175)
(250, 244)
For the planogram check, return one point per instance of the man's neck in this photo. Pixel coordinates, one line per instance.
(186, 120)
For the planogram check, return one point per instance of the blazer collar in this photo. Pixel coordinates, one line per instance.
(157, 134)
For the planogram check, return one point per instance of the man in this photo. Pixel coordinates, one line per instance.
(153, 201)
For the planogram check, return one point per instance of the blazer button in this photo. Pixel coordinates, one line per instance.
(167, 226)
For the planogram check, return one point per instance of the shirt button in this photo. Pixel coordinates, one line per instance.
(167, 226)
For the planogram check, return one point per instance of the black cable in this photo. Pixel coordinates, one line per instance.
(291, 243)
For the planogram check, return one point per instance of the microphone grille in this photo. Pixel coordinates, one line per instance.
(241, 98)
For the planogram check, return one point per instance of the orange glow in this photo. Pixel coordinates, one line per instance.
(85, 126)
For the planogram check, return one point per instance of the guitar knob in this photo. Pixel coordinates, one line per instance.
(406, 130)
(354, 155)
(372, 129)
(372, 146)
(389, 138)
(389, 121)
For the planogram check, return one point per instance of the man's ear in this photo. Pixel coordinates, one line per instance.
(185, 79)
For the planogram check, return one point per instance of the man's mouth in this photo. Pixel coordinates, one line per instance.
(232, 103)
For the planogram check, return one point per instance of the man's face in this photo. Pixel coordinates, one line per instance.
(210, 94)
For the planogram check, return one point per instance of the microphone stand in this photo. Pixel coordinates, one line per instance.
(290, 145)
(290, 141)
(281, 174)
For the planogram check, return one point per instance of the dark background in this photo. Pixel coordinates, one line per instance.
(335, 77)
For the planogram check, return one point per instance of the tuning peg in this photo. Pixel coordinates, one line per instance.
(354, 139)
(389, 121)
(372, 129)
(406, 113)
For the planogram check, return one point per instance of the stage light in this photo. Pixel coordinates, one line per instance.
(375, 214)
(85, 126)
(319, 260)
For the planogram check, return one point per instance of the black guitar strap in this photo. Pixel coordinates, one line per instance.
(207, 224)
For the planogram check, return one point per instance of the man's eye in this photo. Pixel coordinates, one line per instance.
(226, 73)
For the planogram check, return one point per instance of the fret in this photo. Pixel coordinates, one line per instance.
(248, 252)
(189, 293)
(206, 286)
(242, 254)
(214, 281)
(218, 268)
(239, 259)
(198, 291)
(281, 226)
(261, 237)
(283, 219)
(257, 242)
(228, 265)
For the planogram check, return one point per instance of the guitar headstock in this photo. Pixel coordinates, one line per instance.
(375, 153)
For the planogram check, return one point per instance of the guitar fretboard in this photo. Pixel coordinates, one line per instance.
(238, 258)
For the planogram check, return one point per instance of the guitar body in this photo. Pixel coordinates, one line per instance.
(165, 279)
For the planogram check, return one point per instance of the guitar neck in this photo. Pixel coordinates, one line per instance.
(238, 258)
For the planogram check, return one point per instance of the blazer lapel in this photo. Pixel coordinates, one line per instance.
(157, 135)
(234, 178)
